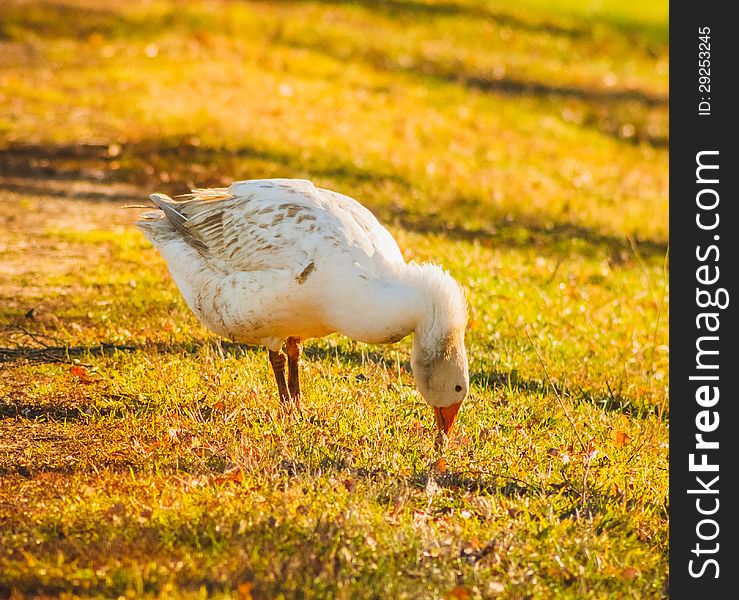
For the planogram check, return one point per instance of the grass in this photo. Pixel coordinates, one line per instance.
(522, 146)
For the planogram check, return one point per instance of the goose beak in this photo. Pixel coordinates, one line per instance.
(445, 416)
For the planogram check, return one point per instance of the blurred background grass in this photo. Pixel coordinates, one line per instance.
(477, 115)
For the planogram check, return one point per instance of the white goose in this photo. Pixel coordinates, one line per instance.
(278, 261)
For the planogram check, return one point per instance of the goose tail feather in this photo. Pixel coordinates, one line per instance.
(166, 223)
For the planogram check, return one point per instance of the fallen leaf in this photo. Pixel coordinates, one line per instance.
(439, 465)
(81, 374)
(95, 38)
(202, 451)
(245, 590)
(630, 573)
(460, 593)
(473, 545)
(622, 438)
(232, 476)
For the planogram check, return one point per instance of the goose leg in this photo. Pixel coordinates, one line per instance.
(294, 350)
(278, 360)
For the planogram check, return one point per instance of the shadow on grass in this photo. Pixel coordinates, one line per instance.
(54, 20)
(609, 111)
(413, 9)
(484, 380)
(518, 87)
(58, 169)
(44, 20)
(528, 233)
(610, 402)
(478, 482)
(73, 354)
(177, 161)
(11, 408)
(41, 412)
(489, 483)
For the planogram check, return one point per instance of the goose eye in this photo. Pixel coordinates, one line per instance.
(457, 388)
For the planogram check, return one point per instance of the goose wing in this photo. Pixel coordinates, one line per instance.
(275, 224)
(249, 226)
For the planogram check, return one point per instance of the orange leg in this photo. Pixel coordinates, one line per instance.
(294, 350)
(278, 360)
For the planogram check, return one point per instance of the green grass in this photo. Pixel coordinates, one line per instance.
(524, 147)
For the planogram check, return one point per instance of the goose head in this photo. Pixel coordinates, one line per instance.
(439, 356)
(442, 377)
